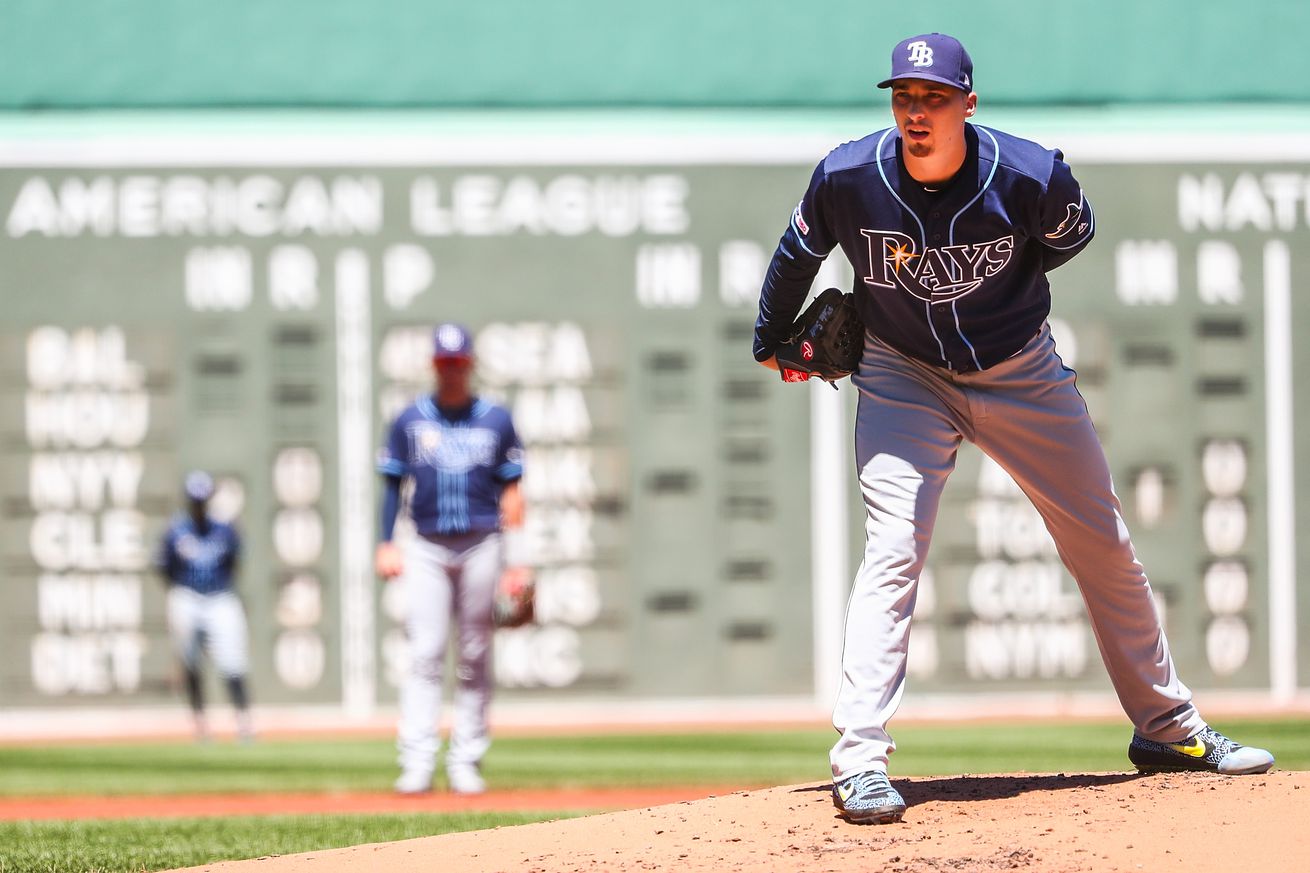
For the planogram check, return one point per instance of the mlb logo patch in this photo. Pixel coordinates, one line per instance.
(800, 219)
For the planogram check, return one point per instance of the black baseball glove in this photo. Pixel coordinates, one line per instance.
(827, 340)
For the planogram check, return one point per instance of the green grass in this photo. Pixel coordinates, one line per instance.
(185, 768)
(369, 765)
(766, 757)
(738, 758)
(138, 844)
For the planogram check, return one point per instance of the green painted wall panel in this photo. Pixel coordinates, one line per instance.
(153, 53)
(672, 498)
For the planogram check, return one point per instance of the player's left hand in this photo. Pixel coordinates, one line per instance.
(827, 340)
(516, 594)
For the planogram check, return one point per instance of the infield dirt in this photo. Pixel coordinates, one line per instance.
(1051, 822)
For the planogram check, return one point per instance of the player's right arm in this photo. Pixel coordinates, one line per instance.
(806, 242)
(387, 560)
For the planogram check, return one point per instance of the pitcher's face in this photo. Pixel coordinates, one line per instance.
(930, 116)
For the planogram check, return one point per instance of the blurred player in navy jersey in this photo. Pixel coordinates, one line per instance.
(465, 460)
(198, 558)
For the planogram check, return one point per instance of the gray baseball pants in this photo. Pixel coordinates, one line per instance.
(448, 579)
(215, 622)
(1026, 414)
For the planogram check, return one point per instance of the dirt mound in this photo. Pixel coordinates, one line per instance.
(1085, 822)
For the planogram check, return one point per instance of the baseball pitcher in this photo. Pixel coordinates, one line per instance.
(951, 228)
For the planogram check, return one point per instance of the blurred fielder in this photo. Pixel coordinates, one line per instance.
(464, 459)
(198, 558)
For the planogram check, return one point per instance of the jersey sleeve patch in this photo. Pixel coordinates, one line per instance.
(1067, 221)
(1075, 230)
(798, 218)
(388, 465)
(511, 461)
(1073, 224)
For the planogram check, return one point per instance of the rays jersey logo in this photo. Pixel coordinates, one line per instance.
(937, 275)
(453, 450)
(203, 553)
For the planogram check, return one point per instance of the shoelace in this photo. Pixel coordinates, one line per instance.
(1217, 741)
(870, 784)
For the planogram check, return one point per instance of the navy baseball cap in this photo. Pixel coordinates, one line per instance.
(451, 340)
(932, 56)
(199, 485)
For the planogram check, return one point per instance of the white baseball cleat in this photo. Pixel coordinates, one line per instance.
(868, 798)
(465, 779)
(414, 781)
(245, 729)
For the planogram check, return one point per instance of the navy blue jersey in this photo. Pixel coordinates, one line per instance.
(203, 562)
(954, 277)
(460, 462)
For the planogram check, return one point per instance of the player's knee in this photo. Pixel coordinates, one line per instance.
(472, 674)
(427, 665)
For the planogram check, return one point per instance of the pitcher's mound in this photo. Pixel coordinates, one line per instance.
(1085, 822)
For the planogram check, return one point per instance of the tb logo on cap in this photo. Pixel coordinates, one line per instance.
(920, 54)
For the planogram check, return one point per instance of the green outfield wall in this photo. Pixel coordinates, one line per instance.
(185, 53)
(255, 297)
